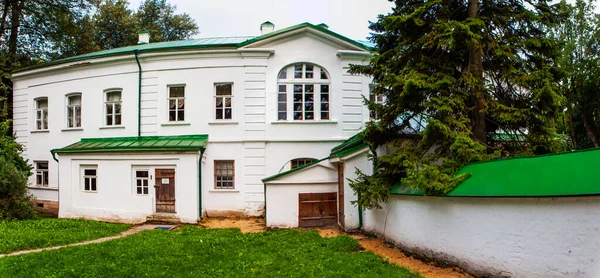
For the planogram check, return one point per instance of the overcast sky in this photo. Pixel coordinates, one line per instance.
(222, 18)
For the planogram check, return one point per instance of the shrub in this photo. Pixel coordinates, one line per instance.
(15, 202)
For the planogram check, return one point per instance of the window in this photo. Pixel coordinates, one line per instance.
(141, 182)
(301, 162)
(74, 111)
(41, 114)
(224, 174)
(90, 179)
(309, 92)
(41, 173)
(377, 99)
(113, 108)
(223, 96)
(176, 103)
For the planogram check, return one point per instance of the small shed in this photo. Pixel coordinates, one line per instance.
(303, 197)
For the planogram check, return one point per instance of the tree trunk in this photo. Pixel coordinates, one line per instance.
(15, 23)
(5, 8)
(475, 70)
(572, 128)
(588, 130)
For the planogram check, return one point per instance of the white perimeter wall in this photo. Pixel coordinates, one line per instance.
(282, 202)
(515, 237)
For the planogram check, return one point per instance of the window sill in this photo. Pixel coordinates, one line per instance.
(304, 122)
(43, 187)
(112, 127)
(41, 131)
(223, 122)
(176, 124)
(224, 191)
(73, 129)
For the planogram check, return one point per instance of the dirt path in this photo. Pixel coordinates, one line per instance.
(395, 256)
(131, 231)
(246, 225)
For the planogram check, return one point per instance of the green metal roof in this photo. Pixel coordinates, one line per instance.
(564, 174)
(297, 169)
(234, 42)
(353, 144)
(135, 144)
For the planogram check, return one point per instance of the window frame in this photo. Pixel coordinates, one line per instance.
(113, 104)
(373, 98)
(304, 160)
(147, 179)
(84, 177)
(43, 114)
(216, 180)
(43, 173)
(287, 106)
(177, 99)
(68, 106)
(223, 99)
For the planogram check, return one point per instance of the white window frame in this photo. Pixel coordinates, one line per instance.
(223, 181)
(375, 98)
(223, 101)
(41, 114)
(113, 104)
(72, 122)
(147, 179)
(43, 173)
(90, 177)
(316, 77)
(176, 99)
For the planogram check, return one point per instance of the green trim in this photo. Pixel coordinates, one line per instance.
(353, 144)
(554, 175)
(143, 32)
(135, 144)
(300, 26)
(297, 169)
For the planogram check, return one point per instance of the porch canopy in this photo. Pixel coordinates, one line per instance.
(135, 144)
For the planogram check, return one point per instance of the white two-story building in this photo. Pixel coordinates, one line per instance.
(190, 128)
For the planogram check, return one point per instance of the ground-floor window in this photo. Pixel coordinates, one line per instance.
(141, 182)
(90, 179)
(224, 174)
(41, 173)
(301, 162)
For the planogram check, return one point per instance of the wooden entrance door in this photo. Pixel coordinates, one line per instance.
(165, 190)
(317, 209)
(341, 217)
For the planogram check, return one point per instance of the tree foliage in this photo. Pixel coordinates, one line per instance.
(474, 70)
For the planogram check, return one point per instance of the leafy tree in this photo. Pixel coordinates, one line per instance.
(581, 62)
(15, 202)
(474, 70)
(159, 18)
(115, 25)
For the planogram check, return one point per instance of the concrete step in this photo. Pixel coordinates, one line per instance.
(163, 218)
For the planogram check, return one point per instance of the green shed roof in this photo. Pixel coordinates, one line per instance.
(297, 169)
(135, 144)
(564, 174)
(201, 43)
(351, 145)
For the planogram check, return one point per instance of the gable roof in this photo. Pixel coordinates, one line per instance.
(353, 144)
(135, 144)
(297, 169)
(202, 43)
(564, 174)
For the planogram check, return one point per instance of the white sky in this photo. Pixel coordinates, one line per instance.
(222, 18)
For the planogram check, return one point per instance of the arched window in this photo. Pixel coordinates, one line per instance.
(295, 163)
(306, 86)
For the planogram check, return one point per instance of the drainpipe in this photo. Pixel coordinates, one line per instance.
(360, 212)
(137, 60)
(200, 182)
(58, 176)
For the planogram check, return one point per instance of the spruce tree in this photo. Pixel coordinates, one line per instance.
(464, 81)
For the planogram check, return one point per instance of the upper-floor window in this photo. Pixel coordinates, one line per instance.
(74, 110)
(308, 90)
(374, 98)
(176, 102)
(223, 98)
(113, 107)
(41, 173)
(41, 114)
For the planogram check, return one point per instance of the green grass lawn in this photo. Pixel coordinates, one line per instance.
(45, 232)
(195, 251)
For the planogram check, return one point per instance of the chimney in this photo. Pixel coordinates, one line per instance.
(266, 27)
(323, 25)
(144, 37)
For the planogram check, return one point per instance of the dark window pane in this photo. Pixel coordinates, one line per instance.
(309, 68)
(139, 190)
(309, 115)
(228, 102)
(42, 166)
(93, 188)
(282, 107)
(39, 180)
(282, 97)
(86, 184)
(176, 91)
(324, 115)
(309, 75)
(297, 88)
(324, 74)
(223, 89)
(309, 88)
(171, 116)
(90, 172)
(117, 119)
(109, 120)
(283, 74)
(141, 174)
(282, 116)
(109, 108)
(219, 113)
(180, 115)
(117, 108)
(324, 88)
(282, 88)
(228, 113)
(297, 115)
(146, 190)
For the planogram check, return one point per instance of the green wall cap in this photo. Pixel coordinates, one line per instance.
(143, 32)
(564, 174)
(135, 144)
(353, 144)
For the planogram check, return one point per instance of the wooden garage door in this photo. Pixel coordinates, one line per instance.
(317, 209)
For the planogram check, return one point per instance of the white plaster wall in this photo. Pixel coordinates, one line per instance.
(362, 162)
(513, 237)
(41, 193)
(116, 198)
(282, 202)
